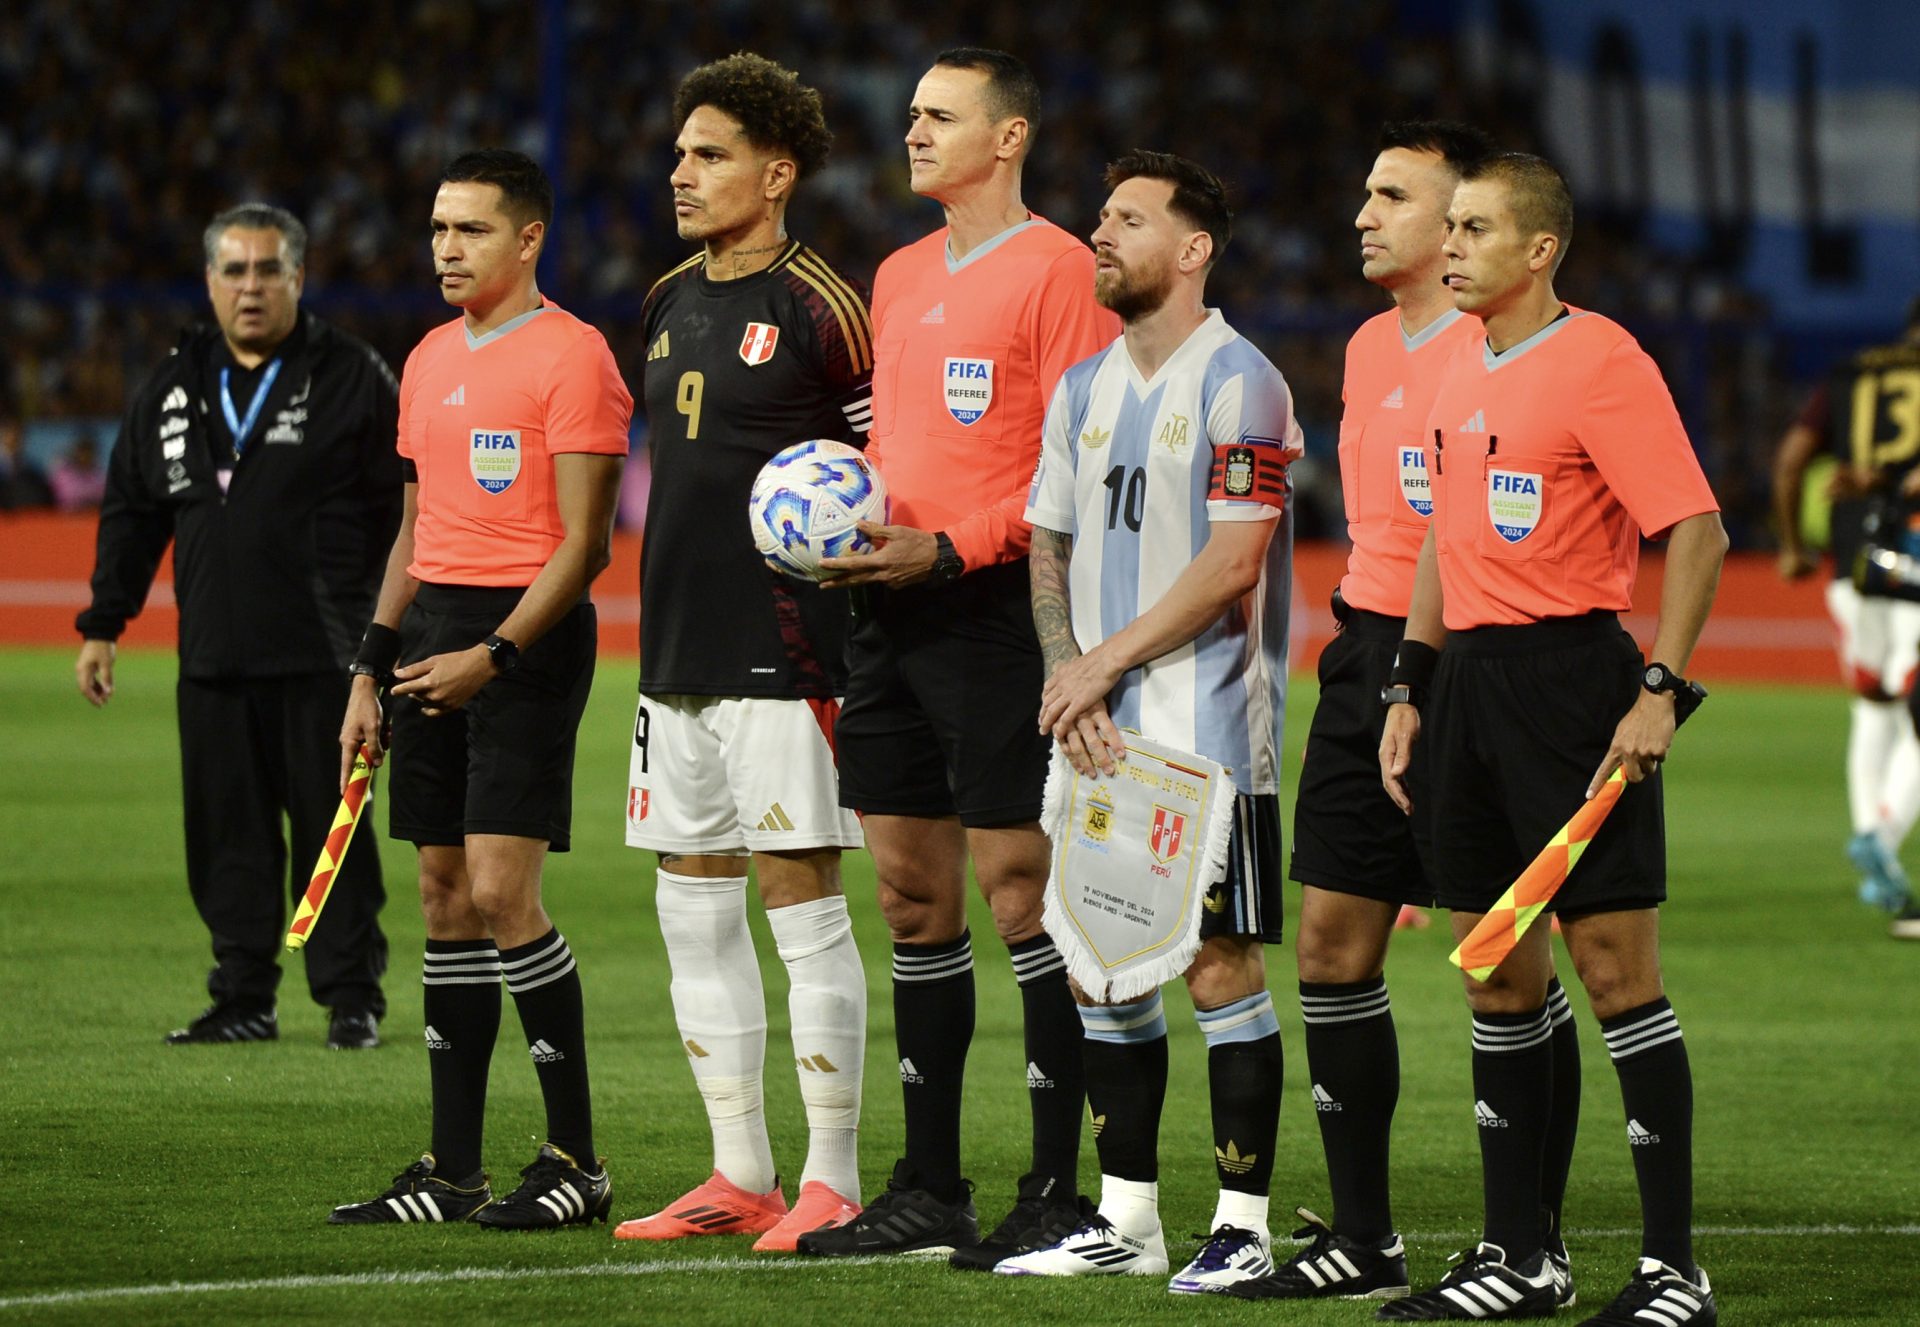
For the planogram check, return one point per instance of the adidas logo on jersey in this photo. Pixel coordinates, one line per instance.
(436, 1042)
(1395, 399)
(817, 1064)
(1232, 1161)
(457, 397)
(1478, 424)
(909, 1074)
(775, 819)
(660, 349)
(937, 314)
(1637, 1135)
(1484, 1114)
(1035, 1078)
(543, 1052)
(1323, 1101)
(176, 400)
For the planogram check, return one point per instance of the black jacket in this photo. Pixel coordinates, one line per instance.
(278, 574)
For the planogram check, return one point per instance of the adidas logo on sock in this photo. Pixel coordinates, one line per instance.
(937, 314)
(1395, 399)
(1637, 1135)
(1232, 1161)
(1478, 424)
(1035, 1078)
(818, 1064)
(458, 396)
(1324, 1102)
(1486, 1116)
(543, 1053)
(695, 1049)
(436, 1042)
(909, 1074)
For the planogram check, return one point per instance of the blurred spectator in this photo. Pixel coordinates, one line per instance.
(79, 480)
(22, 485)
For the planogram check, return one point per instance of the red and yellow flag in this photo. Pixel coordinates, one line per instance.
(1500, 930)
(333, 851)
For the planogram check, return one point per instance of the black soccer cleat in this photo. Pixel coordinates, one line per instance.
(904, 1219)
(417, 1195)
(1482, 1286)
(219, 1023)
(1039, 1218)
(554, 1191)
(1565, 1296)
(352, 1030)
(1332, 1267)
(1658, 1296)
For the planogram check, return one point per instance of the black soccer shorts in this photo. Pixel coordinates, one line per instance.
(1248, 901)
(942, 710)
(1348, 836)
(1519, 721)
(503, 764)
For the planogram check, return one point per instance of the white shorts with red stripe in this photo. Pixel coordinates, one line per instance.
(724, 774)
(1879, 639)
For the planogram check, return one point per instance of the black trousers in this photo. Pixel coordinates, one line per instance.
(252, 749)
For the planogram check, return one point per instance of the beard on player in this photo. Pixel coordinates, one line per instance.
(1133, 292)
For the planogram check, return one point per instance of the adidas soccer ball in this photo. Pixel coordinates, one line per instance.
(807, 502)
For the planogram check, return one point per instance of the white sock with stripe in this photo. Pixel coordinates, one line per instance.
(827, 1003)
(721, 1011)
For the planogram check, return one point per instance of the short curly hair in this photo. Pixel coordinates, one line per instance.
(776, 111)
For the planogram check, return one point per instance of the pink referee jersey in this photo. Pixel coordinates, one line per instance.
(482, 418)
(1390, 383)
(966, 355)
(1550, 460)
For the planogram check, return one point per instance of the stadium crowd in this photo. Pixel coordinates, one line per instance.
(135, 122)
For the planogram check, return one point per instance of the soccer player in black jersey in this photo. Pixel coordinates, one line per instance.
(753, 344)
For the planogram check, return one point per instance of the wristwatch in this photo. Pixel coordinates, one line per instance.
(1658, 678)
(947, 565)
(504, 653)
(1405, 693)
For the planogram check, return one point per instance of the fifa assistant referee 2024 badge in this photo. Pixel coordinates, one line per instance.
(1134, 856)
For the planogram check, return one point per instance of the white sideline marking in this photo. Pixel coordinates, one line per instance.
(668, 1266)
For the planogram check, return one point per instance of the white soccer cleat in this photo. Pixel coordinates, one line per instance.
(1097, 1248)
(1231, 1254)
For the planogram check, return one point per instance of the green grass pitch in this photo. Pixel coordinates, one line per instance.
(190, 1185)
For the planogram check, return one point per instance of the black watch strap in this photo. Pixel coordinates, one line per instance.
(505, 654)
(947, 565)
(1402, 693)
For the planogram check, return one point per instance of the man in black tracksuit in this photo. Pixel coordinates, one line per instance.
(264, 450)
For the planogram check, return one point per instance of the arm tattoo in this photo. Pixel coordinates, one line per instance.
(1052, 616)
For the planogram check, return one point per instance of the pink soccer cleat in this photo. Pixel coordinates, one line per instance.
(718, 1207)
(817, 1208)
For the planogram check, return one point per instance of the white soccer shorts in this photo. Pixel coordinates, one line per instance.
(724, 774)
(1879, 639)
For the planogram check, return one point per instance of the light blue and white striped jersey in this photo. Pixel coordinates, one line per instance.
(1136, 469)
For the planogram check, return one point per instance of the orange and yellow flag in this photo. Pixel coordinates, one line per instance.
(1500, 930)
(333, 851)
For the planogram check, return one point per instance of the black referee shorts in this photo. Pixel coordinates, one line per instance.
(1248, 902)
(1348, 836)
(503, 764)
(943, 702)
(1519, 721)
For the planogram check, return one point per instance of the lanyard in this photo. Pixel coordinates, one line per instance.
(242, 428)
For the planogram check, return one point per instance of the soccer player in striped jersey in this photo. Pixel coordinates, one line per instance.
(1162, 551)
(752, 345)
(1357, 858)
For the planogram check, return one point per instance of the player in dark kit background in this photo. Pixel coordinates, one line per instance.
(752, 345)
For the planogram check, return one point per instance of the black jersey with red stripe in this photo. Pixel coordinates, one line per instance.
(735, 372)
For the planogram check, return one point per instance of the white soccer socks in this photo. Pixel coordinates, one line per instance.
(721, 1010)
(827, 1003)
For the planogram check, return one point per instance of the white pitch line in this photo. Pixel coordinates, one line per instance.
(668, 1266)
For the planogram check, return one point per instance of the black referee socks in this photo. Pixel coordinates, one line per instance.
(546, 990)
(1353, 1057)
(1563, 1125)
(1656, 1086)
(1056, 1080)
(461, 1000)
(932, 1030)
(1512, 1100)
